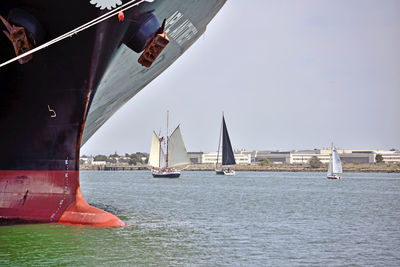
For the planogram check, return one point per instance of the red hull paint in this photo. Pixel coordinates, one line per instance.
(80, 212)
(47, 196)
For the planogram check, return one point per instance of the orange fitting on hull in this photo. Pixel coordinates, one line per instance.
(81, 213)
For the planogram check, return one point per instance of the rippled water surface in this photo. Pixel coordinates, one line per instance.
(251, 219)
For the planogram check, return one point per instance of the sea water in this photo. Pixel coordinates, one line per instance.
(201, 219)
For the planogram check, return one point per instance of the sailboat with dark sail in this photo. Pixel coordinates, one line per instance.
(228, 158)
(335, 165)
(168, 164)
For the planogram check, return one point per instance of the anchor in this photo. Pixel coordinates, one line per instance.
(19, 39)
(155, 47)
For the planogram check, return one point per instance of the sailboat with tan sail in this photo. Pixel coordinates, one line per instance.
(168, 155)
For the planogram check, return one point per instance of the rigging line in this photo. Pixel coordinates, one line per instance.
(93, 22)
(79, 29)
(85, 26)
(97, 20)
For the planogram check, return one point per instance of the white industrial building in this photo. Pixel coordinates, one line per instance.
(288, 157)
(304, 156)
(391, 157)
(211, 158)
(346, 155)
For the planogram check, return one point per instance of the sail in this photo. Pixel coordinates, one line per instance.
(177, 155)
(336, 163)
(154, 157)
(330, 167)
(227, 152)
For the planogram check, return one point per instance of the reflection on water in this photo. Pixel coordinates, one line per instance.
(253, 218)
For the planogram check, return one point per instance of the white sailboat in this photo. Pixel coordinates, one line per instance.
(335, 165)
(175, 158)
(228, 157)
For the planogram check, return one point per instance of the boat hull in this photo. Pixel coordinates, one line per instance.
(230, 172)
(43, 110)
(167, 175)
(225, 172)
(51, 105)
(40, 196)
(334, 177)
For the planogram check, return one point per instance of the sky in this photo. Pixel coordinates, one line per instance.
(287, 75)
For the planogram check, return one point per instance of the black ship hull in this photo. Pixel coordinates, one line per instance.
(167, 175)
(51, 105)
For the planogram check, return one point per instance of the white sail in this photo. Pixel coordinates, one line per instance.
(330, 167)
(177, 155)
(336, 163)
(154, 158)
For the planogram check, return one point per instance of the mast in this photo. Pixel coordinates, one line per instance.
(219, 141)
(159, 155)
(332, 159)
(159, 152)
(167, 140)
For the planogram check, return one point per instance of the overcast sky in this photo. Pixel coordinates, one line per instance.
(287, 74)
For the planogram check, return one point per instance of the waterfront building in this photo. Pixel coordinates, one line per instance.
(304, 156)
(362, 156)
(346, 155)
(391, 157)
(86, 160)
(99, 163)
(195, 157)
(275, 157)
(369, 156)
(357, 156)
(240, 158)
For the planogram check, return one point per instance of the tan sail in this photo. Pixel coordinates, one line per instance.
(154, 157)
(177, 155)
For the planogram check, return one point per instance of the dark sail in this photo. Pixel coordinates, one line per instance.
(227, 152)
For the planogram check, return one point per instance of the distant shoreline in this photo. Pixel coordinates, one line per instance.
(378, 168)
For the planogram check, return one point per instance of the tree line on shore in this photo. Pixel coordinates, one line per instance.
(131, 159)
